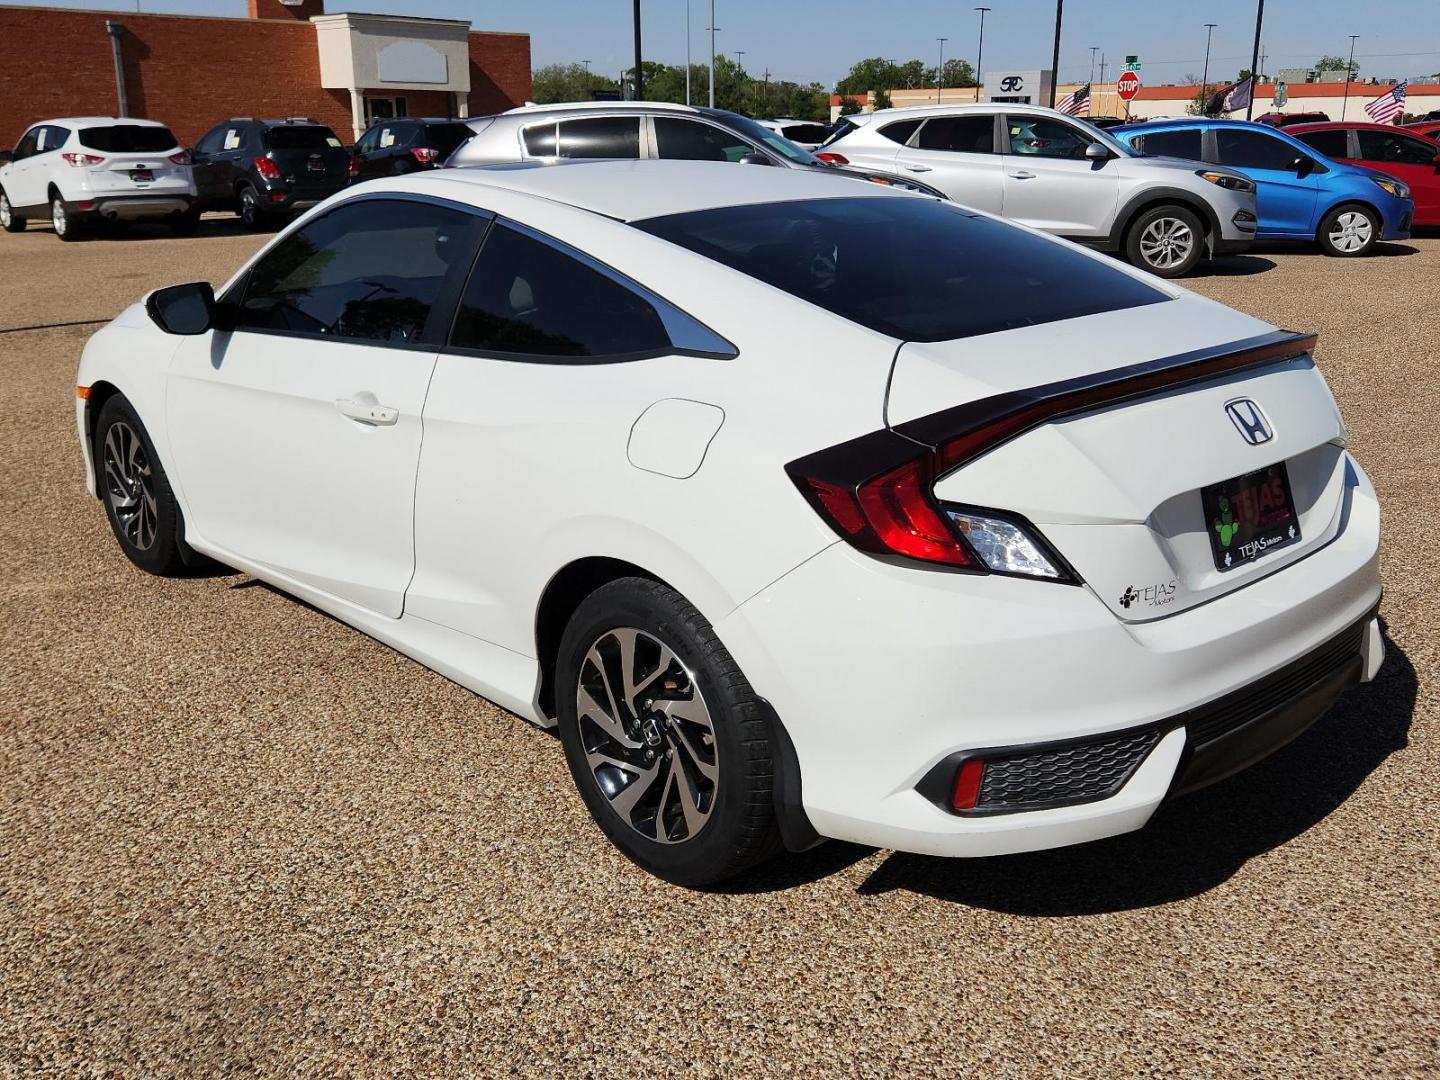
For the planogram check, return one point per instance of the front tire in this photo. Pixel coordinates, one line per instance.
(665, 739)
(138, 500)
(9, 220)
(1348, 232)
(1168, 241)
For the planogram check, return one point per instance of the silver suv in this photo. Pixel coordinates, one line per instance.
(1054, 172)
(645, 129)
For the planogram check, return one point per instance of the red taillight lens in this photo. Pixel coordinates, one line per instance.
(81, 161)
(267, 168)
(182, 158)
(425, 155)
(967, 784)
(833, 159)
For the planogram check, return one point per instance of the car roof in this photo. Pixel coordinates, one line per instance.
(917, 111)
(634, 190)
(77, 120)
(1337, 125)
(1200, 121)
(562, 106)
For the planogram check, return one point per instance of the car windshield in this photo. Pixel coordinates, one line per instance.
(299, 137)
(911, 268)
(128, 139)
(771, 140)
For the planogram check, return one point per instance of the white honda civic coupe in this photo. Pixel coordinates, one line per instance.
(803, 508)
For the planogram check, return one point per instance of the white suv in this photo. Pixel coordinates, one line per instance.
(1051, 171)
(78, 170)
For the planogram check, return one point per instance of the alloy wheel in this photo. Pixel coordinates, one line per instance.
(249, 210)
(5, 214)
(1351, 232)
(130, 485)
(648, 736)
(1167, 242)
(58, 218)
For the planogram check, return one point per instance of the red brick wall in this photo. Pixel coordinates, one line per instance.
(274, 9)
(191, 72)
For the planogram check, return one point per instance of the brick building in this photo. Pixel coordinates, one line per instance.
(288, 58)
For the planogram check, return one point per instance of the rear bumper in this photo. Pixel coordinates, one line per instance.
(881, 674)
(132, 207)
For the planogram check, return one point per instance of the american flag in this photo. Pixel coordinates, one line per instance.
(1076, 103)
(1388, 106)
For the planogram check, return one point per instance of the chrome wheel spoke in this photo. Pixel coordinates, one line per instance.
(130, 486)
(606, 720)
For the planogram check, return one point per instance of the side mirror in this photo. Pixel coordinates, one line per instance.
(1097, 152)
(755, 158)
(1303, 165)
(183, 309)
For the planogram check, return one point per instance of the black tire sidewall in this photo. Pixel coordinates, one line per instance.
(17, 223)
(1322, 235)
(1138, 226)
(162, 557)
(255, 220)
(740, 830)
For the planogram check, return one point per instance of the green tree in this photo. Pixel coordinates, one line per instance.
(882, 100)
(567, 82)
(1336, 63)
(876, 73)
(956, 73)
(848, 107)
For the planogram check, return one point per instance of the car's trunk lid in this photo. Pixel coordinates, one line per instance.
(1115, 484)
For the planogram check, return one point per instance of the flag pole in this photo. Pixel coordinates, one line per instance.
(1255, 57)
(1055, 58)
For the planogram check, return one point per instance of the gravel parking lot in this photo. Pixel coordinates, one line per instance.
(239, 837)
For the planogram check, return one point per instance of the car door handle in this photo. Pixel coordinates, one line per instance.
(1020, 174)
(918, 168)
(367, 412)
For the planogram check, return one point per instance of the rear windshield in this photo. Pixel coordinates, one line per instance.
(128, 139)
(444, 137)
(914, 269)
(298, 137)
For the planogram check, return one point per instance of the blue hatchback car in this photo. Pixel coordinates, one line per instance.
(1299, 194)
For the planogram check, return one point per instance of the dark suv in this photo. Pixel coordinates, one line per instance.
(264, 168)
(406, 145)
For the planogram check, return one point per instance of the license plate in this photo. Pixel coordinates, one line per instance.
(316, 165)
(142, 176)
(1249, 516)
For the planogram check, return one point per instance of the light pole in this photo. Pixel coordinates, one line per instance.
(1205, 78)
(1349, 69)
(639, 75)
(980, 53)
(712, 54)
(1055, 57)
(940, 71)
(1093, 50)
(1255, 57)
(687, 52)
(739, 63)
(588, 84)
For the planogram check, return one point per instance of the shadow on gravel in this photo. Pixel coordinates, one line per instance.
(1200, 840)
(1234, 266)
(1383, 249)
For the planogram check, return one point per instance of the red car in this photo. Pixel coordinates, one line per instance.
(1429, 128)
(1398, 152)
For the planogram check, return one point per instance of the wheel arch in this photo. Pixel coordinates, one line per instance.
(101, 391)
(1152, 199)
(1340, 204)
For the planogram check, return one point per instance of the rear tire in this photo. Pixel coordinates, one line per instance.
(65, 226)
(672, 757)
(138, 501)
(1168, 241)
(1349, 231)
(9, 220)
(251, 214)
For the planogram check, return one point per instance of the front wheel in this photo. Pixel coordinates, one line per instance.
(138, 501)
(1348, 231)
(9, 220)
(1168, 241)
(665, 739)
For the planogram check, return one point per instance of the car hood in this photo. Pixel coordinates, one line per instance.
(1176, 165)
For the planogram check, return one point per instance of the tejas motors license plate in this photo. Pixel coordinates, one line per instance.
(1249, 516)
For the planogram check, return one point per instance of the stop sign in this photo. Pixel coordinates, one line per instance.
(1128, 85)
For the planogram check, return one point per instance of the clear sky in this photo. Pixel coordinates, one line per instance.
(819, 39)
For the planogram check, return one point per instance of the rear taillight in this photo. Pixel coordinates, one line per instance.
(82, 161)
(354, 166)
(182, 158)
(267, 168)
(425, 155)
(833, 159)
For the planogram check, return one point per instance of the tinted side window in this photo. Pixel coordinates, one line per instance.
(1397, 149)
(368, 142)
(1181, 144)
(1043, 137)
(690, 140)
(26, 146)
(540, 140)
(1333, 144)
(900, 131)
(367, 271)
(1253, 150)
(51, 138)
(807, 133)
(529, 298)
(600, 137)
(212, 141)
(963, 134)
